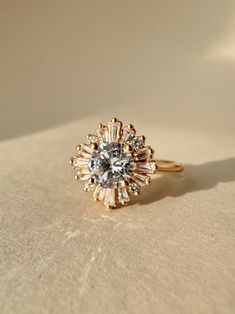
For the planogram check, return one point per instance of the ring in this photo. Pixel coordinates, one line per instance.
(115, 163)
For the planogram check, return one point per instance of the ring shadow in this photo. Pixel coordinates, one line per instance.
(194, 178)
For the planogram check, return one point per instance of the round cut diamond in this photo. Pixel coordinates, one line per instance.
(111, 165)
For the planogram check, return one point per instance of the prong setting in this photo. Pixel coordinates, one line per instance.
(127, 148)
(94, 146)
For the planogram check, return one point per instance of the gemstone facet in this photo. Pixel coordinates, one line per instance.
(111, 165)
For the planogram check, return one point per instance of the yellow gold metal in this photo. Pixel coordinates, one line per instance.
(124, 203)
(94, 146)
(109, 207)
(169, 166)
(127, 148)
(151, 151)
(100, 126)
(124, 184)
(79, 147)
(77, 177)
(130, 126)
(91, 181)
(114, 120)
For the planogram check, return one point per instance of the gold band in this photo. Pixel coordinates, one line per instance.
(169, 166)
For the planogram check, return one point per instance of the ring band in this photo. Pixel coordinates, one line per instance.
(115, 163)
(169, 166)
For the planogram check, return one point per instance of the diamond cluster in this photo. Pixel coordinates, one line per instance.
(114, 163)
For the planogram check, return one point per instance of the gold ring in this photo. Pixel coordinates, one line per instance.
(115, 163)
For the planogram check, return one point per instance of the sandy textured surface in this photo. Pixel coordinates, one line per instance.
(166, 67)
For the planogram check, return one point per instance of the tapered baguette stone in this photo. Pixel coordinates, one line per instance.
(110, 198)
(149, 167)
(144, 153)
(141, 179)
(128, 134)
(80, 162)
(99, 193)
(103, 134)
(114, 131)
(123, 196)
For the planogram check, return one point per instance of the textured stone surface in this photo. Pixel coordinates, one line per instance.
(172, 249)
(168, 68)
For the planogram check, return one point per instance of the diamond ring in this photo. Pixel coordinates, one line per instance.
(115, 163)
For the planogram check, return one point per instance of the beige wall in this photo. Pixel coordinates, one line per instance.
(61, 60)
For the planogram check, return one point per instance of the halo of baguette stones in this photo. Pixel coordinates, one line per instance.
(114, 164)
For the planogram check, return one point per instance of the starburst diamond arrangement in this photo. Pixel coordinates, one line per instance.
(115, 163)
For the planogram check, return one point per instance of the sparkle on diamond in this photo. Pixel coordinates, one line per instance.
(111, 165)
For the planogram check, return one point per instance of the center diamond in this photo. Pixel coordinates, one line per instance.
(111, 165)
